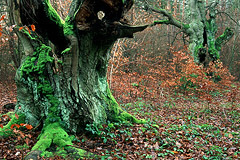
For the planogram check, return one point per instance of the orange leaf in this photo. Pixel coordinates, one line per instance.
(29, 31)
(2, 18)
(20, 28)
(29, 126)
(175, 152)
(5, 116)
(0, 34)
(14, 126)
(33, 27)
(1, 125)
(17, 116)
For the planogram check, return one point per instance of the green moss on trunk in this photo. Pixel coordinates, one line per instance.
(52, 14)
(68, 27)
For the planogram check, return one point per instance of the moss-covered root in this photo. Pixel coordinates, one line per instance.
(124, 116)
(6, 131)
(116, 113)
(55, 141)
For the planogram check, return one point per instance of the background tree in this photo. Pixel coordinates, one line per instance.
(151, 54)
(229, 14)
(201, 29)
(8, 46)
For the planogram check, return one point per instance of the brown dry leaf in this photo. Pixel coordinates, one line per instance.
(156, 146)
(17, 116)
(230, 135)
(22, 135)
(178, 144)
(27, 141)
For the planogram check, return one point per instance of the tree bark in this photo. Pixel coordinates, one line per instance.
(61, 83)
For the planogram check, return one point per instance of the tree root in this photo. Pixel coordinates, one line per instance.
(54, 140)
(115, 112)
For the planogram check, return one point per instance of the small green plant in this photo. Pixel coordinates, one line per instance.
(25, 146)
(106, 131)
(93, 129)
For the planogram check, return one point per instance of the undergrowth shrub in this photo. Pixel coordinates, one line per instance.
(190, 78)
(155, 78)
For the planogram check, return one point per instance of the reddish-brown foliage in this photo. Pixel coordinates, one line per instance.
(152, 79)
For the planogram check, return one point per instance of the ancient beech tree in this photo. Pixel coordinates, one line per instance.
(61, 82)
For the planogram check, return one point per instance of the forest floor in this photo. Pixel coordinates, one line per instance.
(176, 128)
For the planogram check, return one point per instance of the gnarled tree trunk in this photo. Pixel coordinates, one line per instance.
(62, 82)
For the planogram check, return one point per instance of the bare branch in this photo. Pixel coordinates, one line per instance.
(225, 37)
(229, 17)
(127, 30)
(171, 20)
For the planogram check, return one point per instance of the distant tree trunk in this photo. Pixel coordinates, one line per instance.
(62, 82)
(201, 29)
(203, 39)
